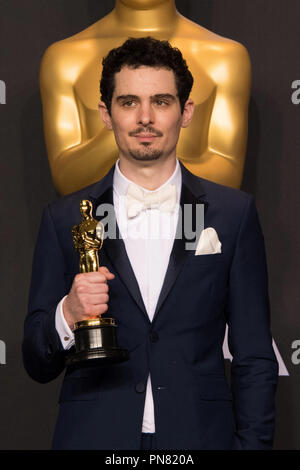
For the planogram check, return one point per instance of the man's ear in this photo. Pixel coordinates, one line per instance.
(187, 113)
(105, 116)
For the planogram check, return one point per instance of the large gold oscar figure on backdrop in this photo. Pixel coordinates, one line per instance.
(81, 150)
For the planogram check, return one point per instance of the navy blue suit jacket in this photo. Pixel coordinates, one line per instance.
(195, 408)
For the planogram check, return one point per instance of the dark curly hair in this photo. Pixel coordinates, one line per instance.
(136, 52)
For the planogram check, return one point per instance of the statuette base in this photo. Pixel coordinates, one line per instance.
(96, 340)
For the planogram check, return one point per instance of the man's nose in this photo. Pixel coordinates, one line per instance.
(146, 114)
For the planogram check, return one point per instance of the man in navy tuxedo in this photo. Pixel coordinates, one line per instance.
(171, 302)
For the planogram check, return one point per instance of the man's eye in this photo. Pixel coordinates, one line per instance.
(129, 103)
(161, 103)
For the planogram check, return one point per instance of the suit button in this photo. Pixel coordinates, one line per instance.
(49, 352)
(140, 387)
(153, 337)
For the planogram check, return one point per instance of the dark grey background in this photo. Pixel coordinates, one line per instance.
(270, 31)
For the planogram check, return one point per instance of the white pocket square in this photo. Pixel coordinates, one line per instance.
(209, 243)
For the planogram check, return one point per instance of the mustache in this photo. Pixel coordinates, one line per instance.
(149, 130)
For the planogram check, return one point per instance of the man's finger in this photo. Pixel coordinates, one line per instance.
(91, 277)
(106, 272)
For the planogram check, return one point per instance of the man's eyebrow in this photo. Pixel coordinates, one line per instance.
(127, 97)
(161, 96)
(158, 96)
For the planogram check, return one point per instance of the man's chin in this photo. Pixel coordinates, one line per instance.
(143, 156)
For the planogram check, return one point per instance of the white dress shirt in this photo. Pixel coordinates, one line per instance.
(148, 240)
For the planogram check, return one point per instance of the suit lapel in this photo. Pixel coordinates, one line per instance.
(190, 195)
(113, 245)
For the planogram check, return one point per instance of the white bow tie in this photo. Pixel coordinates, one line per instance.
(137, 200)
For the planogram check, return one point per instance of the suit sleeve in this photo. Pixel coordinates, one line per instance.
(254, 369)
(43, 353)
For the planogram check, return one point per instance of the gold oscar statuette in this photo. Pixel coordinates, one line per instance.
(81, 149)
(95, 338)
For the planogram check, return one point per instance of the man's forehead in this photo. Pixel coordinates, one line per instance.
(155, 80)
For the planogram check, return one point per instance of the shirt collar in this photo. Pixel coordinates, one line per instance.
(121, 183)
